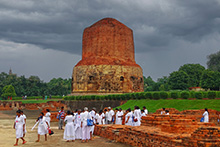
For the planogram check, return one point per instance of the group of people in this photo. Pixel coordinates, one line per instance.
(80, 124)
(77, 125)
(43, 122)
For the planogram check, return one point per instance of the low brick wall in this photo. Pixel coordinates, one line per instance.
(162, 131)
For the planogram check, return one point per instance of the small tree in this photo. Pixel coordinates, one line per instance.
(8, 91)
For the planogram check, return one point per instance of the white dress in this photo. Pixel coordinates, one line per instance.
(103, 118)
(119, 118)
(85, 129)
(129, 123)
(146, 111)
(42, 126)
(99, 119)
(137, 115)
(19, 122)
(78, 129)
(24, 116)
(47, 117)
(69, 132)
(206, 116)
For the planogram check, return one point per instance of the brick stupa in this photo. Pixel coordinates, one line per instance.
(108, 61)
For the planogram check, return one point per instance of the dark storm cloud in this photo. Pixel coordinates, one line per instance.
(59, 24)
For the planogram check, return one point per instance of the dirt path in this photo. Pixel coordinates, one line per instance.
(7, 138)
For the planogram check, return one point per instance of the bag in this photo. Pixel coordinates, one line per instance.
(89, 122)
(50, 131)
(135, 119)
(202, 119)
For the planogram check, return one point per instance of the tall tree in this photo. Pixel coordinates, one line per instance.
(148, 84)
(210, 80)
(194, 71)
(8, 91)
(178, 80)
(214, 61)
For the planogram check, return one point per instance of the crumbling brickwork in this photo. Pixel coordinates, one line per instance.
(108, 64)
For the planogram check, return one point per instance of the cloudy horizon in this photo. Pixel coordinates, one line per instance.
(44, 38)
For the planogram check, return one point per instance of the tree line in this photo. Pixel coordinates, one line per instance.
(33, 86)
(189, 75)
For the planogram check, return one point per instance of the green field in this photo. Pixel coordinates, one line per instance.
(153, 105)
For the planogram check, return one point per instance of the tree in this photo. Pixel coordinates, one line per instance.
(214, 61)
(210, 80)
(178, 80)
(194, 71)
(8, 91)
(148, 84)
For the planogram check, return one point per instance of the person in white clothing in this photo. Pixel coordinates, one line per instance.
(93, 115)
(42, 127)
(206, 115)
(137, 116)
(163, 111)
(105, 116)
(19, 126)
(77, 124)
(110, 115)
(69, 132)
(85, 127)
(128, 117)
(142, 113)
(167, 112)
(119, 116)
(47, 116)
(99, 118)
(145, 110)
(24, 116)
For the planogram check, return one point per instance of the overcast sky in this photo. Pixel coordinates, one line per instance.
(44, 37)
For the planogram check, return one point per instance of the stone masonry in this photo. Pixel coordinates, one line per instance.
(108, 64)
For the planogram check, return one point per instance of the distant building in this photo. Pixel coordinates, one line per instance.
(10, 72)
(196, 89)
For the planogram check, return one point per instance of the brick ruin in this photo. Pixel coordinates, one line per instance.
(165, 130)
(108, 62)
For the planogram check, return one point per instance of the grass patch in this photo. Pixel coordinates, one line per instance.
(153, 105)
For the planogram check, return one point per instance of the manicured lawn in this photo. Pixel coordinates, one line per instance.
(153, 105)
(34, 101)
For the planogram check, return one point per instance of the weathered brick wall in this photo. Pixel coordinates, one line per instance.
(164, 130)
(108, 64)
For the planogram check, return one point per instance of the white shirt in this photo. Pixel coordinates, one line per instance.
(77, 119)
(19, 121)
(99, 119)
(69, 119)
(206, 116)
(47, 116)
(146, 111)
(119, 114)
(110, 114)
(85, 115)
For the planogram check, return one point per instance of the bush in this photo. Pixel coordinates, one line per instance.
(148, 95)
(218, 94)
(184, 95)
(212, 94)
(174, 95)
(199, 95)
(163, 95)
(156, 95)
(205, 94)
(192, 94)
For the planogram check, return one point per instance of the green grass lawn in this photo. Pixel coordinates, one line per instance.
(153, 105)
(33, 101)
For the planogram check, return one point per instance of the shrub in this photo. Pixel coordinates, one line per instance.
(156, 95)
(184, 95)
(205, 94)
(218, 94)
(93, 97)
(199, 95)
(148, 95)
(212, 94)
(192, 94)
(174, 95)
(163, 95)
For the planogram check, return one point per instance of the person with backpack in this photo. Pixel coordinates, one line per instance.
(86, 125)
(61, 116)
